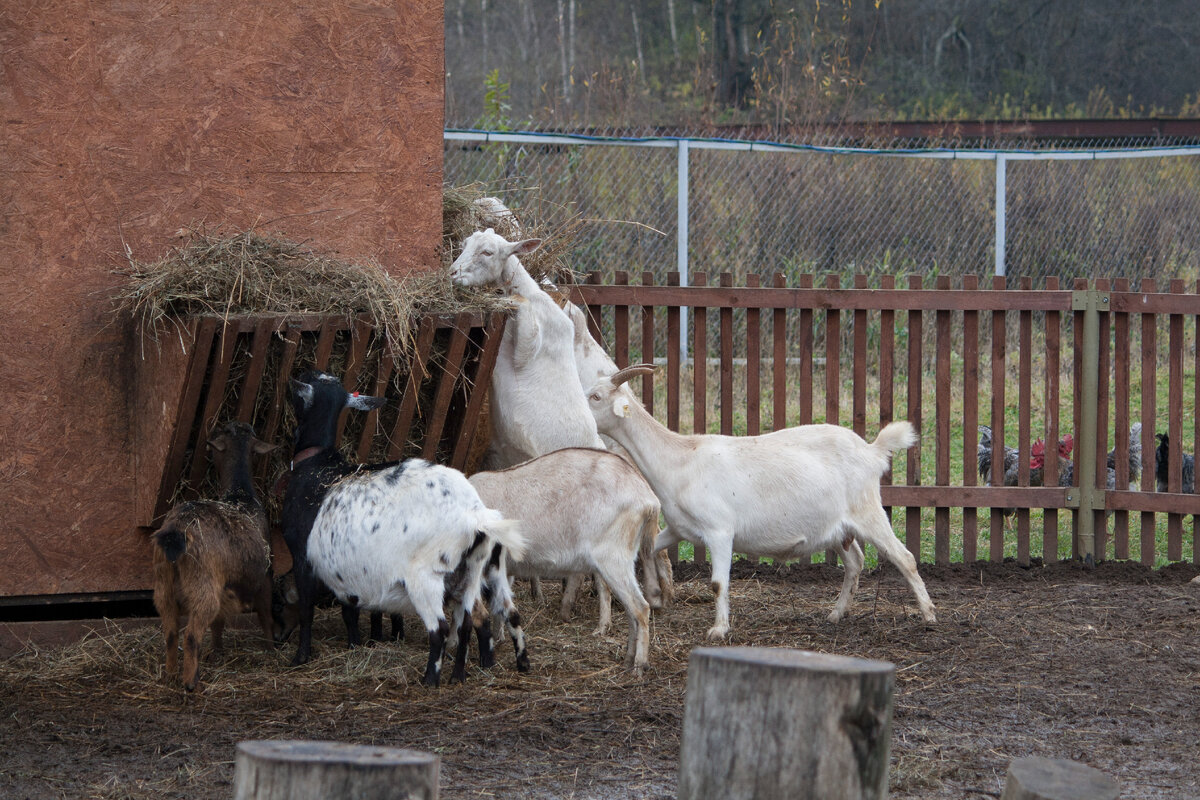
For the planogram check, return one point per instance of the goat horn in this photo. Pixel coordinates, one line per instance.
(621, 376)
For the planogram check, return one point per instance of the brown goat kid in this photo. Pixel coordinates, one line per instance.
(212, 557)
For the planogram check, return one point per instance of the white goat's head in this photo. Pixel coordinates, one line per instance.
(485, 259)
(608, 404)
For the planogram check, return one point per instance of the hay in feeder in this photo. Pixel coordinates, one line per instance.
(257, 273)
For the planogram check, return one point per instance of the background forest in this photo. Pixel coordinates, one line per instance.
(697, 63)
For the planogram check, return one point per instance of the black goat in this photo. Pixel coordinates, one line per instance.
(318, 399)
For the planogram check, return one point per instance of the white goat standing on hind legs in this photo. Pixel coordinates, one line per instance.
(537, 404)
(786, 494)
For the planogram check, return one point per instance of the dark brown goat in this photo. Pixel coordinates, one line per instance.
(212, 557)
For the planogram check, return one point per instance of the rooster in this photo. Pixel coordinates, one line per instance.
(1161, 454)
(1037, 462)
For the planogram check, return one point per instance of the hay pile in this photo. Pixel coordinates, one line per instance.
(255, 272)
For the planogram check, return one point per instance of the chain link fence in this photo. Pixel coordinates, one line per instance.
(765, 208)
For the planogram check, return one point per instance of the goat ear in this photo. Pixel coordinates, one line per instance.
(621, 407)
(363, 402)
(262, 447)
(524, 247)
(303, 391)
(219, 442)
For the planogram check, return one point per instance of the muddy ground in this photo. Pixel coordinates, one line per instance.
(1099, 666)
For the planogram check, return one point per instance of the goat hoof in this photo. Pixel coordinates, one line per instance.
(523, 663)
(834, 616)
(718, 632)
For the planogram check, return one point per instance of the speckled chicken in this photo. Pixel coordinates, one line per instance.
(984, 458)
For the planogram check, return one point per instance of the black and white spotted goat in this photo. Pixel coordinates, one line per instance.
(317, 399)
(405, 539)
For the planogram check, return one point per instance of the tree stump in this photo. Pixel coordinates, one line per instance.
(769, 724)
(294, 770)
(1035, 778)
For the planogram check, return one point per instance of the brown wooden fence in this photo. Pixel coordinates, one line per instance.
(1086, 360)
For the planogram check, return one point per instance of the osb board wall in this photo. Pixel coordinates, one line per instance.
(120, 124)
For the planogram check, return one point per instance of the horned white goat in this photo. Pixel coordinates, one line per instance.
(581, 510)
(785, 494)
(393, 540)
(537, 406)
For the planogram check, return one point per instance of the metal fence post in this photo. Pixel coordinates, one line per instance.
(681, 245)
(1001, 210)
(1091, 500)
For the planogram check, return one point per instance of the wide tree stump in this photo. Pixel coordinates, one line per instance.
(776, 724)
(1036, 778)
(294, 770)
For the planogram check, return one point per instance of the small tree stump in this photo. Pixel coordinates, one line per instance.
(294, 770)
(769, 724)
(1035, 778)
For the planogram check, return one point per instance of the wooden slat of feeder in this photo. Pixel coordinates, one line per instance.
(263, 331)
(291, 343)
(459, 336)
(212, 405)
(189, 400)
(408, 404)
(325, 344)
(371, 425)
(483, 379)
(360, 336)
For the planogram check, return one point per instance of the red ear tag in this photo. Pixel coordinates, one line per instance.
(354, 395)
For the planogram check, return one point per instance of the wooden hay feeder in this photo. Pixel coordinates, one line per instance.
(239, 367)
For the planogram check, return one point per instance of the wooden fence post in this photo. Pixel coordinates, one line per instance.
(772, 723)
(297, 770)
(1035, 778)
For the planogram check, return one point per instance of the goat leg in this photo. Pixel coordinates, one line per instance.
(437, 649)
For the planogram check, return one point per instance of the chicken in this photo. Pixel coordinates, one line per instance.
(1161, 473)
(984, 459)
(1135, 456)
(1037, 462)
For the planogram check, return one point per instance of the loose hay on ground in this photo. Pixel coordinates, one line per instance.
(1101, 667)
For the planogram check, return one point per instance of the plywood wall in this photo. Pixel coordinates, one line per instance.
(121, 123)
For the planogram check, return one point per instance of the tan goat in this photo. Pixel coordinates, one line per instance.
(212, 557)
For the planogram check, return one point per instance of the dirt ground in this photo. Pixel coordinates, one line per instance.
(1098, 666)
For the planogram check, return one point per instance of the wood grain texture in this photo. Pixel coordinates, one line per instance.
(313, 770)
(122, 124)
(774, 723)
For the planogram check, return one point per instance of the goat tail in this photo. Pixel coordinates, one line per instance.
(899, 435)
(171, 539)
(507, 533)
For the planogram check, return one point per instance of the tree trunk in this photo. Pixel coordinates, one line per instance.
(637, 40)
(1035, 778)
(295, 770)
(770, 724)
(562, 51)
